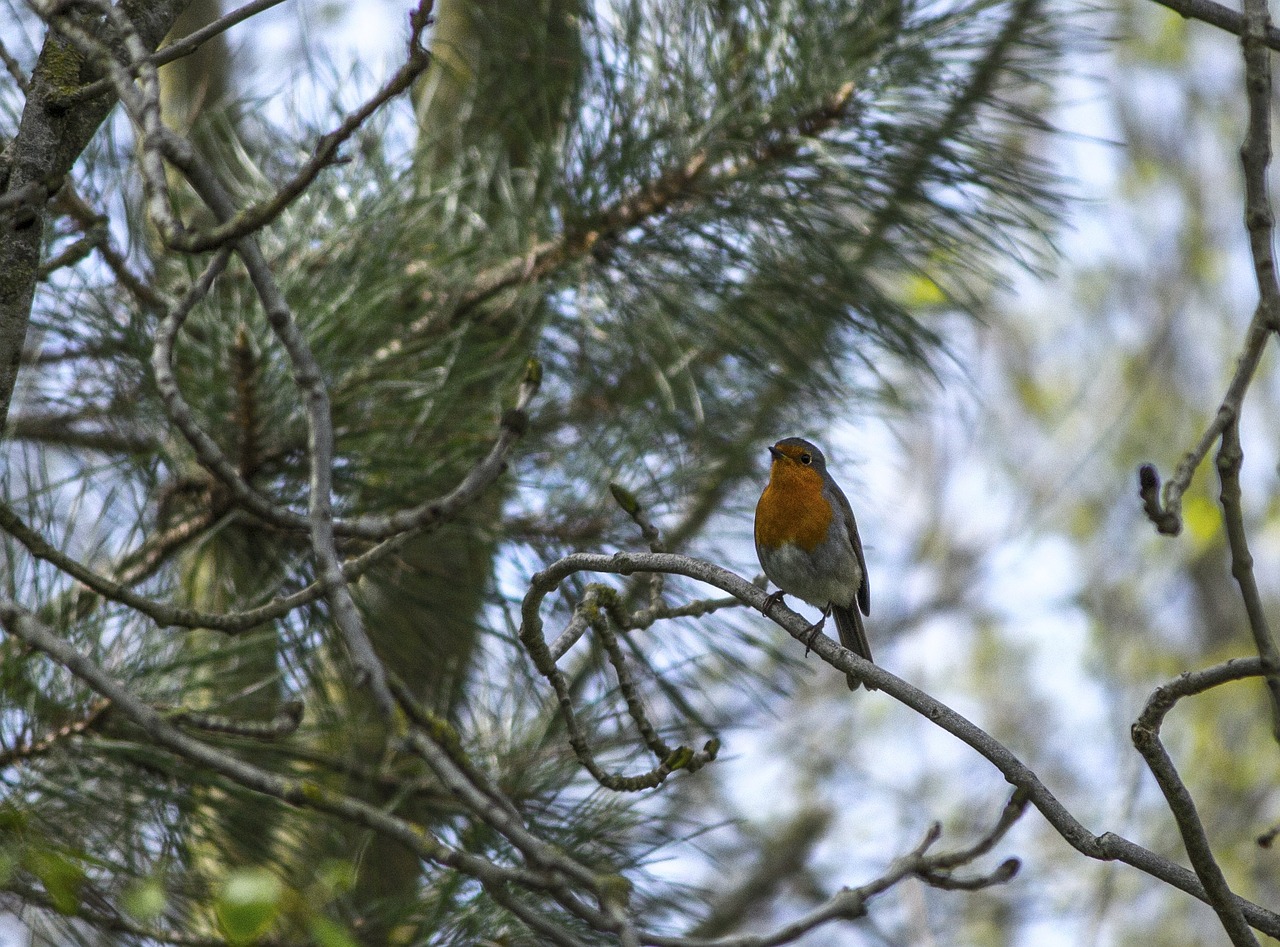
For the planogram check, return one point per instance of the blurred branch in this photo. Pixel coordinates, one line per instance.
(62, 431)
(193, 41)
(1215, 14)
(189, 43)
(437, 743)
(38, 356)
(21, 202)
(70, 202)
(283, 724)
(1106, 847)
(783, 854)
(108, 920)
(143, 562)
(981, 82)
(71, 254)
(1146, 737)
(851, 903)
(50, 741)
(15, 69)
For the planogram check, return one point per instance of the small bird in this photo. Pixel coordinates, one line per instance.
(808, 544)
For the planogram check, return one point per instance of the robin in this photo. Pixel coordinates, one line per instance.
(808, 543)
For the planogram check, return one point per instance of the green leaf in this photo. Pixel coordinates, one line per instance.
(248, 904)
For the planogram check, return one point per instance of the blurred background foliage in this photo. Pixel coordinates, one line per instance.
(988, 254)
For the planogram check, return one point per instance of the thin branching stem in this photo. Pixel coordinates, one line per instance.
(1215, 14)
(630, 693)
(1105, 847)
(1146, 737)
(1229, 461)
(851, 903)
(1164, 509)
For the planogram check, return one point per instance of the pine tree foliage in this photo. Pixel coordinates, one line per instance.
(723, 220)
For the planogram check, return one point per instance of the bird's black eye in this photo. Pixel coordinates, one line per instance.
(806, 458)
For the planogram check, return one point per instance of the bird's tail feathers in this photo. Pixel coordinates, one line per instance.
(853, 636)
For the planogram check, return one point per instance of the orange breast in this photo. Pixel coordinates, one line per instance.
(792, 510)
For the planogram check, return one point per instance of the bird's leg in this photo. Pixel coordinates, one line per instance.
(771, 600)
(815, 628)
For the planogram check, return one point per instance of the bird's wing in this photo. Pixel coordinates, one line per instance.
(864, 590)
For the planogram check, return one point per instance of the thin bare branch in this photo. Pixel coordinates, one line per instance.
(630, 693)
(193, 41)
(1146, 737)
(1230, 459)
(1215, 14)
(1009, 816)
(1105, 847)
(848, 904)
(1255, 154)
(632, 506)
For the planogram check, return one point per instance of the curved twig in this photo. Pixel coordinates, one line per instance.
(1105, 847)
(1146, 737)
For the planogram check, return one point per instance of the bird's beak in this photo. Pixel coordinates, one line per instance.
(775, 453)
